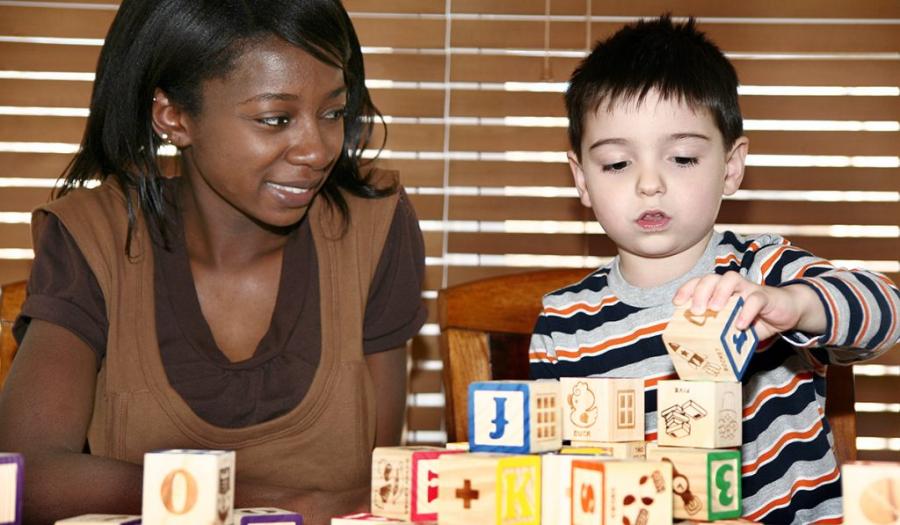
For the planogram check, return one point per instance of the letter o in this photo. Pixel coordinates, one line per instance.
(170, 486)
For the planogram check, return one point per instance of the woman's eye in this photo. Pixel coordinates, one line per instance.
(615, 166)
(686, 161)
(336, 114)
(275, 122)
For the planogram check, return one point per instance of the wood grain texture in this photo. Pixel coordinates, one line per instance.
(13, 295)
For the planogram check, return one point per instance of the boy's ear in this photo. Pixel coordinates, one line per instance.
(578, 176)
(734, 165)
(169, 120)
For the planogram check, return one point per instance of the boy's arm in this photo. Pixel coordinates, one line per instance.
(846, 315)
(541, 352)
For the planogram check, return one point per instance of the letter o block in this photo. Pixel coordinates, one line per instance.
(189, 487)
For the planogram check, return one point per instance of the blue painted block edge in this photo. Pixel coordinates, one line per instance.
(754, 341)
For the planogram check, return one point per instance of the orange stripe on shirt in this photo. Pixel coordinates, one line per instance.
(652, 381)
(768, 393)
(728, 259)
(803, 483)
(770, 261)
(618, 341)
(581, 306)
(750, 468)
(802, 271)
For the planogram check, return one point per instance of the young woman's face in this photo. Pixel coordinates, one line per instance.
(267, 135)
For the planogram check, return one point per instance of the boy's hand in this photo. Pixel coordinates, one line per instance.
(771, 310)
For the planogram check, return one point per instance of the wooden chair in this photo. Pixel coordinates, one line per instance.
(11, 298)
(485, 333)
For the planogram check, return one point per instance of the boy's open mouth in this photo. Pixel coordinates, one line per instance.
(653, 220)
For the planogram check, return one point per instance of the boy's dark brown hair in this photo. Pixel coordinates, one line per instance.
(675, 59)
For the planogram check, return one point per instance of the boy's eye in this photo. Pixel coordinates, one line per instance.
(686, 161)
(616, 166)
(275, 122)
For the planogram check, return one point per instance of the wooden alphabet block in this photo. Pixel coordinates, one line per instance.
(706, 484)
(365, 517)
(556, 488)
(12, 486)
(708, 347)
(704, 414)
(189, 487)
(462, 446)
(626, 492)
(405, 482)
(514, 417)
(871, 492)
(618, 450)
(267, 515)
(101, 519)
(489, 489)
(602, 408)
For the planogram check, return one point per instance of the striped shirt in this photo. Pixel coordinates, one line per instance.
(602, 326)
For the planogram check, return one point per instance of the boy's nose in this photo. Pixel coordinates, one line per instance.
(650, 182)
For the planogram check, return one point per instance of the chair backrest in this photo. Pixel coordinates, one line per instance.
(12, 296)
(485, 332)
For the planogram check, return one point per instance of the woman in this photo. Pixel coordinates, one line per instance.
(260, 301)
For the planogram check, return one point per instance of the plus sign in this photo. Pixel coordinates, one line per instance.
(467, 494)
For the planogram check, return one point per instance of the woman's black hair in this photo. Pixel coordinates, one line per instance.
(176, 45)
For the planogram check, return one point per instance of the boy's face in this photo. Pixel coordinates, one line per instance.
(655, 174)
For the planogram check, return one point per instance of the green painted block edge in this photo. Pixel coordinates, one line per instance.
(710, 483)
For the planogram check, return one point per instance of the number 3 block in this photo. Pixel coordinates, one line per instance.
(189, 487)
(515, 417)
(706, 484)
(405, 482)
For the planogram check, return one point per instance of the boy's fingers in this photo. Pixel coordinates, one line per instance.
(684, 293)
(753, 305)
(702, 293)
(726, 287)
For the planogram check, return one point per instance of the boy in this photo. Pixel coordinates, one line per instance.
(656, 137)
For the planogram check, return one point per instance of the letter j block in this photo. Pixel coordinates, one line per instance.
(514, 417)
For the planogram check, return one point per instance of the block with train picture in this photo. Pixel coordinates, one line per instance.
(621, 492)
(405, 482)
(12, 487)
(189, 487)
(708, 347)
(602, 408)
(514, 417)
(706, 483)
(871, 492)
(489, 489)
(704, 414)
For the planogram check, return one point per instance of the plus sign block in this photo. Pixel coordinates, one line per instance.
(489, 489)
(101, 519)
(708, 346)
(12, 485)
(706, 483)
(514, 417)
(267, 515)
(704, 414)
(871, 492)
(602, 408)
(189, 487)
(627, 492)
(405, 482)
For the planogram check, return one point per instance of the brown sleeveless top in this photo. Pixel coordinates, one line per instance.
(325, 442)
